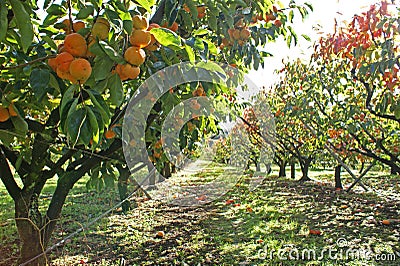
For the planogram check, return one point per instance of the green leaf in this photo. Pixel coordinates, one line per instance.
(96, 49)
(116, 90)
(167, 37)
(211, 47)
(198, 44)
(3, 20)
(397, 112)
(294, 34)
(306, 37)
(85, 12)
(192, 7)
(211, 66)
(56, 10)
(102, 68)
(24, 23)
(70, 107)
(49, 41)
(309, 6)
(112, 54)
(146, 4)
(85, 133)
(20, 125)
(39, 80)
(291, 15)
(6, 137)
(68, 95)
(94, 125)
(200, 32)
(127, 22)
(74, 124)
(190, 53)
(213, 23)
(100, 105)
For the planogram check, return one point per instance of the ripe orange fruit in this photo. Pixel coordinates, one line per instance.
(236, 34)
(226, 42)
(63, 61)
(140, 38)
(174, 27)
(201, 11)
(269, 17)
(4, 115)
(153, 26)
(160, 234)
(75, 44)
(66, 26)
(151, 47)
(80, 69)
(314, 232)
(66, 75)
(186, 8)
(278, 23)
(60, 48)
(52, 63)
(127, 71)
(230, 32)
(78, 25)
(110, 134)
(101, 28)
(11, 110)
(135, 56)
(195, 105)
(140, 22)
(386, 222)
(245, 34)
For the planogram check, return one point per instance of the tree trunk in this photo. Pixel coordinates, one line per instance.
(166, 171)
(293, 170)
(282, 168)
(30, 233)
(123, 187)
(258, 167)
(304, 169)
(394, 169)
(338, 180)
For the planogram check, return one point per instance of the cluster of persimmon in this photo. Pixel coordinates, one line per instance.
(6, 113)
(71, 62)
(270, 16)
(157, 151)
(201, 10)
(199, 91)
(135, 55)
(240, 34)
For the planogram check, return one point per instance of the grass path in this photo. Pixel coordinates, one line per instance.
(241, 228)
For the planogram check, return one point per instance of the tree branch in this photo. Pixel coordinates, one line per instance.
(28, 63)
(7, 177)
(158, 16)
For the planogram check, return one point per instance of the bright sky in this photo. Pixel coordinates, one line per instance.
(324, 13)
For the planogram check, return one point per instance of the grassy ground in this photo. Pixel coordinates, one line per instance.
(263, 227)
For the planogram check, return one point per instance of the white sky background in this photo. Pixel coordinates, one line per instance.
(324, 13)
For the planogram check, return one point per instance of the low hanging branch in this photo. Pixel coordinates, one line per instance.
(40, 59)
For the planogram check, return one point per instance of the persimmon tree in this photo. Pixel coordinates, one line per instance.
(68, 70)
(356, 71)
